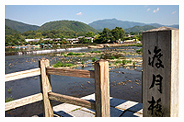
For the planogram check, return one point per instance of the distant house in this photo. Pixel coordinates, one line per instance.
(119, 41)
(129, 40)
(128, 35)
(73, 40)
(89, 38)
(47, 39)
(32, 40)
(57, 39)
(81, 37)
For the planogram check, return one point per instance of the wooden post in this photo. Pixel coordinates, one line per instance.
(102, 97)
(160, 72)
(46, 87)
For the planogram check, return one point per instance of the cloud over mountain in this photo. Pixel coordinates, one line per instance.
(80, 13)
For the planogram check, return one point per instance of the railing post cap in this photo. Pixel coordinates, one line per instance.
(43, 59)
(101, 60)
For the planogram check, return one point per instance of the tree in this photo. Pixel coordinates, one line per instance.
(105, 36)
(117, 33)
(38, 35)
(140, 37)
(90, 34)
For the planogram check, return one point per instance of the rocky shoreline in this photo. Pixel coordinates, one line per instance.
(115, 57)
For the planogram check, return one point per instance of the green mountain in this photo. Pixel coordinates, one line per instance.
(112, 23)
(10, 31)
(66, 25)
(139, 28)
(19, 26)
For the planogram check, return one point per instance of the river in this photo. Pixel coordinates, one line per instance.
(125, 83)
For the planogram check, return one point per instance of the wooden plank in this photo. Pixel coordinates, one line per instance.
(23, 101)
(46, 87)
(72, 100)
(22, 74)
(102, 96)
(70, 72)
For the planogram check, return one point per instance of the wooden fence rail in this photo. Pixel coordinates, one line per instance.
(23, 101)
(70, 72)
(100, 74)
(22, 74)
(72, 100)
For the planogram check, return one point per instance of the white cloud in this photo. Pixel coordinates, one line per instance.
(148, 9)
(154, 11)
(173, 12)
(80, 13)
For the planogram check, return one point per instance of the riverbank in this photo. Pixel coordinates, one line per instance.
(115, 45)
(63, 48)
(115, 57)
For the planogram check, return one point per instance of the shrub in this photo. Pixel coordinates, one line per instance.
(112, 57)
(8, 99)
(9, 90)
(129, 61)
(59, 64)
(95, 51)
(118, 62)
(139, 51)
(71, 53)
(82, 62)
(94, 59)
(134, 64)
(124, 62)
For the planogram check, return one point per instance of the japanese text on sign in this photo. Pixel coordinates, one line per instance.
(155, 107)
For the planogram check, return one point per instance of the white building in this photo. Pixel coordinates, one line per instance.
(32, 40)
(74, 40)
(89, 38)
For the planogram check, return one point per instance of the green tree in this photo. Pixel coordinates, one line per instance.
(105, 36)
(117, 33)
(90, 34)
(38, 35)
(140, 37)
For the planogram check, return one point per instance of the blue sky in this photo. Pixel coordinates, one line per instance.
(39, 14)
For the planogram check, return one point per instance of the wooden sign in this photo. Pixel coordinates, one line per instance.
(160, 72)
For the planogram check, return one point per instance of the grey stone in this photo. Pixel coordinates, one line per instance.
(65, 107)
(126, 105)
(80, 113)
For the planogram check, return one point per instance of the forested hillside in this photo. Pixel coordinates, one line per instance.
(137, 29)
(19, 26)
(66, 25)
(112, 23)
(10, 31)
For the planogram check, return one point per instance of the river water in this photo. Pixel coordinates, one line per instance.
(125, 83)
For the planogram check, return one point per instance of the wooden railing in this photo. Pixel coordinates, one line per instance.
(102, 90)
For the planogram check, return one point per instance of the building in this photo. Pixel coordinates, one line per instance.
(32, 40)
(57, 39)
(73, 40)
(47, 39)
(89, 38)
